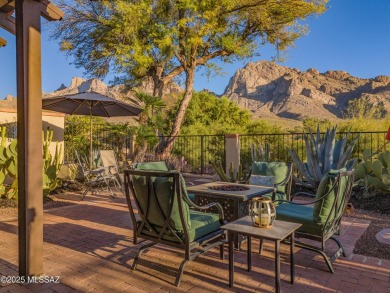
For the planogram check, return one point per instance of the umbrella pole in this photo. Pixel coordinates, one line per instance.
(90, 142)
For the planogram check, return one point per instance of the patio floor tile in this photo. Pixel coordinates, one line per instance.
(89, 246)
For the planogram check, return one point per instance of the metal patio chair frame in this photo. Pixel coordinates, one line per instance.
(111, 168)
(286, 182)
(93, 179)
(166, 233)
(332, 223)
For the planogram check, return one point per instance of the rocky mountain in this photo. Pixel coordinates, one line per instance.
(79, 84)
(9, 102)
(269, 90)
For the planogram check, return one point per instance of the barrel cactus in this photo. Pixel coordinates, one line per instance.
(323, 154)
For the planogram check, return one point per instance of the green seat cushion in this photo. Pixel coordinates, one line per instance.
(155, 166)
(279, 170)
(203, 224)
(299, 214)
(323, 207)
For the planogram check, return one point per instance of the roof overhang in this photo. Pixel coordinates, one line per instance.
(7, 21)
(7, 7)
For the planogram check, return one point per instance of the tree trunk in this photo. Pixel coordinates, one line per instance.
(165, 147)
(139, 155)
(158, 87)
(158, 83)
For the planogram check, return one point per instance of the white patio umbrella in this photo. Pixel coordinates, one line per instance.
(92, 104)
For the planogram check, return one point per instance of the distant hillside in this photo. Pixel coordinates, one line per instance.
(79, 84)
(272, 91)
(267, 90)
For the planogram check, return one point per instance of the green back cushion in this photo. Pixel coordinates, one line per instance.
(156, 166)
(323, 208)
(277, 169)
(164, 195)
(164, 198)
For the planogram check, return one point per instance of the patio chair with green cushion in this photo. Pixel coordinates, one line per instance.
(283, 177)
(320, 218)
(159, 166)
(167, 216)
(152, 166)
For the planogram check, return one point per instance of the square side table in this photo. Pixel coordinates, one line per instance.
(279, 231)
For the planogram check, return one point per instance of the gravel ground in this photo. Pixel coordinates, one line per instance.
(368, 245)
(377, 210)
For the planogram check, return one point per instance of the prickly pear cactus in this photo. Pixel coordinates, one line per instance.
(11, 154)
(3, 160)
(373, 172)
(9, 159)
(51, 164)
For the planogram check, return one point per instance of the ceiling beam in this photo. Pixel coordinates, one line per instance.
(4, 2)
(50, 11)
(7, 6)
(7, 22)
(2, 42)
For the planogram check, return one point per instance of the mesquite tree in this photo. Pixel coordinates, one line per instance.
(166, 38)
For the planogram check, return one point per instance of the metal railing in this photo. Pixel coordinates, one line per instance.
(194, 153)
(199, 151)
(280, 143)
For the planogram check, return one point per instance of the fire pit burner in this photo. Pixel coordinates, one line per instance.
(228, 187)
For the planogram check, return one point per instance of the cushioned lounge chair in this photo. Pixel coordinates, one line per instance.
(158, 166)
(283, 177)
(321, 217)
(167, 216)
(152, 166)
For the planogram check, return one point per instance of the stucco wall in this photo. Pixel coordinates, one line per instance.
(55, 121)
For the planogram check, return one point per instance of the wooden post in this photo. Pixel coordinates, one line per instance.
(29, 122)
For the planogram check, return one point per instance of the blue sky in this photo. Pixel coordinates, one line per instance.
(352, 35)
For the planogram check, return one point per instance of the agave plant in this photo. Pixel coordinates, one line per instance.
(323, 154)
